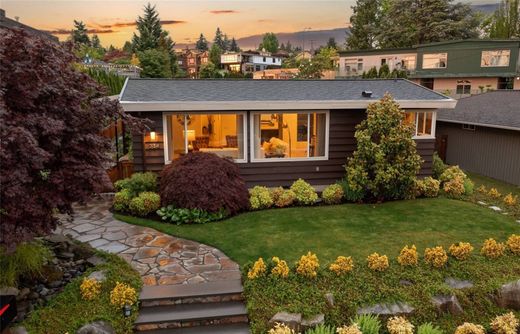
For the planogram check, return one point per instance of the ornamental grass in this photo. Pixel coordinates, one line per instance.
(461, 250)
(492, 249)
(408, 256)
(436, 256)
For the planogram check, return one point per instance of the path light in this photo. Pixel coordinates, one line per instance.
(127, 310)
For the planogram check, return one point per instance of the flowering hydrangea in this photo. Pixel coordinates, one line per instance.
(513, 244)
(308, 265)
(257, 270)
(492, 249)
(461, 250)
(281, 269)
(399, 325)
(90, 288)
(469, 328)
(436, 256)
(342, 265)
(377, 262)
(408, 256)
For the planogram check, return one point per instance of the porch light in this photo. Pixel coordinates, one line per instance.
(153, 135)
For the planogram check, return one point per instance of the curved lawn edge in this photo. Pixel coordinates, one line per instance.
(348, 229)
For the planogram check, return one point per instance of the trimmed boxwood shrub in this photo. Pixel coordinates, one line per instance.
(144, 204)
(122, 200)
(204, 181)
(138, 183)
(260, 198)
(282, 197)
(305, 193)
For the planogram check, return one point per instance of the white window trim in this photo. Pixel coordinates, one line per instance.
(308, 112)
(167, 159)
(435, 68)
(434, 123)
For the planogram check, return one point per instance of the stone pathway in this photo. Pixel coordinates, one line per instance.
(159, 258)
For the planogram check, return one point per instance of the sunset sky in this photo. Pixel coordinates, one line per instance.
(113, 20)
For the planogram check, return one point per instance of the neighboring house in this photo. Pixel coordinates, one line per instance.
(6, 22)
(191, 60)
(276, 130)
(456, 68)
(287, 73)
(125, 70)
(482, 135)
(250, 61)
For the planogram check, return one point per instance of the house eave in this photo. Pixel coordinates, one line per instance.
(494, 126)
(135, 106)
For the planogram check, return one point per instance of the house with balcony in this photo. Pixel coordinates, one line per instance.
(456, 68)
(191, 60)
(250, 61)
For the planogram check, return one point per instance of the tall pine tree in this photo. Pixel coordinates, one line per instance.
(95, 43)
(219, 39)
(233, 46)
(202, 43)
(365, 25)
(79, 33)
(505, 22)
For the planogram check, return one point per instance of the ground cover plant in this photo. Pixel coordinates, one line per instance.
(81, 303)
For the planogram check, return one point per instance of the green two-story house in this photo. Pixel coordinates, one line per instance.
(452, 67)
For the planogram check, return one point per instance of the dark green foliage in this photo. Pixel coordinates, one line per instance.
(202, 43)
(365, 21)
(428, 328)
(146, 203)
(505, 22)
(438, 166)
(112, 82)
(372, 73)
(208, 70)
(233, 46)
(122, 200)
(95, 43)
(155, 63)
(269, 43)
(179, 216)
(79, 33)
(331, 43)
(309, 69)
(149, 29)
(321, 329)
(350, 195)
(384, 71)
(28, 259)
(219, 41)
(214, 54)
(68, 311)
(138, 183)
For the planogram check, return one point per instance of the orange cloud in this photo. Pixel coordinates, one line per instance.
(89, 31)
(223, 11)
(133, 24)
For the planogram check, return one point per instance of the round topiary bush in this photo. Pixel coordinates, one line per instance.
(144, 204)
(333, 194)
(305, 193)
(260, 198)
(204, 181)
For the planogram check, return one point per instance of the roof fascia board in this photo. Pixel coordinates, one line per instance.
(480, 124)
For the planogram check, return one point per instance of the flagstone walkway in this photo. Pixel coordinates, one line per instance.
(160, 258)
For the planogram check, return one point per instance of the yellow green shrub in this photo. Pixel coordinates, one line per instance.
(505, 324)
(454, 188)
(377, 262)
(123, 294)
(332, 194)
(280, 269)
(492, 249)
(510, 200)
(513, 244)
(146, 203)
(461, 250)
(408, 256)
(451, 173)
(469, 328)
(260, 198)
(282, 197)
(436, 256)
(342, 265)
(482, 189)
(122, 200)
(280, 329)
(305, 193)
(90, 288)
(494, 193)
(352, 329)
(308, 265)
(428, 187)
(257, 270)
(399, 325)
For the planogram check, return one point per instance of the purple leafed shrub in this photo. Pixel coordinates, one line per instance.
(204, 181)
(50, 149)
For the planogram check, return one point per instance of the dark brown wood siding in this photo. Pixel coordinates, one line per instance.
(318, 172)
(149, 155)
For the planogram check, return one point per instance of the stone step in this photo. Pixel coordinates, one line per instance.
(214, 329)
(211, 292)
(191, 314)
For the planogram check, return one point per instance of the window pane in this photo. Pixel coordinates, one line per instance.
(495, 58)
(424, 124)
(289, 135)
(435, 60)
(176, 142)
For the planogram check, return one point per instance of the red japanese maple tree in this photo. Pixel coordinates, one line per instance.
(51, 151)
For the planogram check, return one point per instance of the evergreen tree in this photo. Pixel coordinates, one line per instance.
(288, 47)
(282, 47)
(384, 71)
(365, 20)
(505, 22)
(219, 39)
(155, 63)
(79, 33)
(202, 43)
(331, 43)
(214, 54)
(127, 47)
(234, 45)
(208, 70)
(227, 43)
(269, 43)
(95, 43)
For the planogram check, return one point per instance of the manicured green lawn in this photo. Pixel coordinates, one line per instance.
(350, 229)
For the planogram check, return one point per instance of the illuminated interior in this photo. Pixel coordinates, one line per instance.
(422, 121)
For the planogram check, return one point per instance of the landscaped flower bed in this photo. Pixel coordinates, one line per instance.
(408, 278)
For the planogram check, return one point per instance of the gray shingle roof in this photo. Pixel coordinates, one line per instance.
(495, 109)
(169, 90)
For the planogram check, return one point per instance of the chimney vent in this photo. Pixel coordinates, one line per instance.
(366, 93)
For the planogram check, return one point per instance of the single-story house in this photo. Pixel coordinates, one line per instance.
(482, 134)
(276, 130)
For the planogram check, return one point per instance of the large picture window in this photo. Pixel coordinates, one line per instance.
(286, 136)
(435, 60)
(220, 134)
(495, 58)
(423, 122)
